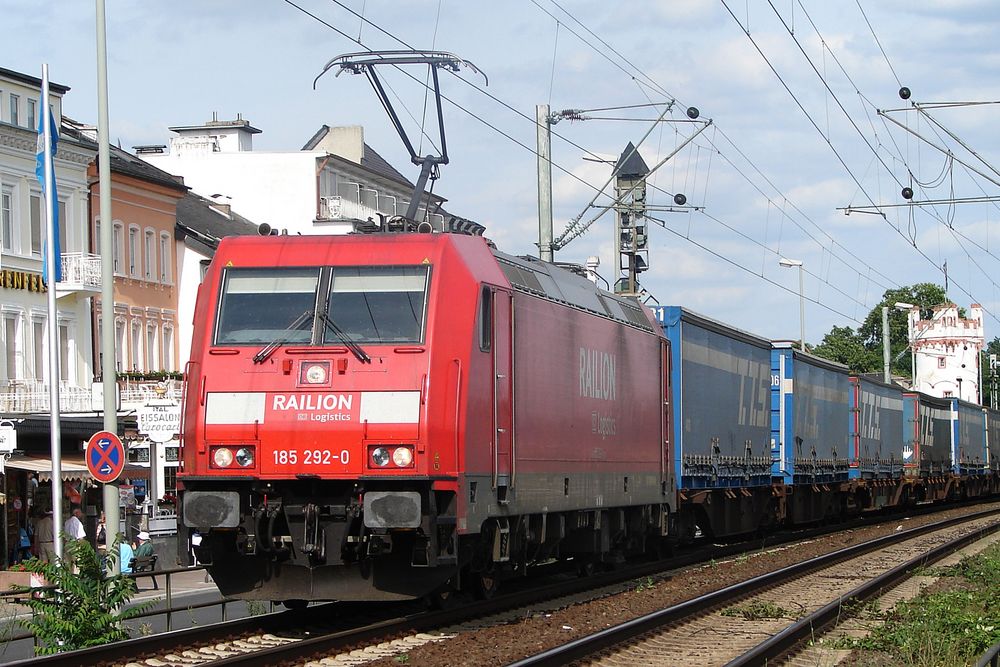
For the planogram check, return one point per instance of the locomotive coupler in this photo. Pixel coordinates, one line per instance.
(313, 536)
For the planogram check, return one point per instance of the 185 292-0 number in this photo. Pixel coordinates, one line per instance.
(310, 457)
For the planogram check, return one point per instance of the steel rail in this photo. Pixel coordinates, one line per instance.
(591, 644)
(807, 626)
(191, 638)
(126, 651)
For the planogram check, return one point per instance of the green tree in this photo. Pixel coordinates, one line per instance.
(991, 376)
(87, 607)
(842, 343)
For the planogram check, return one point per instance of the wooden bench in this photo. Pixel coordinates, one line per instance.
(145, 565)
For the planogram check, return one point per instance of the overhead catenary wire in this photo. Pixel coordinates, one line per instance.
(637, 74)
(949, 156)
(812, 121)
(529, 149)
(662, 223)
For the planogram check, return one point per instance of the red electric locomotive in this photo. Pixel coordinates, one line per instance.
(389, 416)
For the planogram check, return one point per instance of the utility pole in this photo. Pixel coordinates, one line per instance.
(544, 140)
(631, 256)
(112, 516)
(993, 381)
(885, 344)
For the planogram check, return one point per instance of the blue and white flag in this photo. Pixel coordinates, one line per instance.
(53, 230)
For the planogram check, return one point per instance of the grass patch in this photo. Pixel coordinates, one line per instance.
(949, 627)
(755, 610)
(645, 584)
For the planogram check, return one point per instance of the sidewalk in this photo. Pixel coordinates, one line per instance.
(183, 582)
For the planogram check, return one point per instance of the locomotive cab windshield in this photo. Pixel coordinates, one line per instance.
(369, 305)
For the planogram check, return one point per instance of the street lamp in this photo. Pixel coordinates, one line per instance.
(789, 263)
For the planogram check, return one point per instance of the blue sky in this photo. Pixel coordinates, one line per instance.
(769, 178)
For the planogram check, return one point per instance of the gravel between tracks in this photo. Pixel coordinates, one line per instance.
(502, 644)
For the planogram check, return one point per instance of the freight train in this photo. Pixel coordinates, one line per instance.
(396, 415)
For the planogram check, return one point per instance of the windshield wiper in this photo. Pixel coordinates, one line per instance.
(266, 351)
(355, 349)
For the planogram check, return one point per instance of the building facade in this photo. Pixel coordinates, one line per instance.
(335, 183)
(144, 208)
(201, 224)
(946, 351)
(24, 322)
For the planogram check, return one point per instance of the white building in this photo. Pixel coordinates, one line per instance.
(335, 184)
(24, 322)
(946, 351)
(201, 224)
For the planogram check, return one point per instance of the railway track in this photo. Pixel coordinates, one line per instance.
(759, 621)
(369, 631)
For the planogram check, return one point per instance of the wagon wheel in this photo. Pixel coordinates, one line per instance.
(486, 583)
(584, 568)
(445, 597)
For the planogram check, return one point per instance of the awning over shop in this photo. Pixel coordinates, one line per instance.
(73, 468)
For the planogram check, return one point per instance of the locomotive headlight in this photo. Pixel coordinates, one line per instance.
(380, 456)
(402, 457)
(244, 456)
(222, 457)
(314, 372)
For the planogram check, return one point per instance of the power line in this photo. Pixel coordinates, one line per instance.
(884, 55)
(659, 89)
(813, 122)
(663, 224)
(508, 136)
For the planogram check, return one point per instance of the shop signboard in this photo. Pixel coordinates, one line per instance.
(160, 420)
(8, 436)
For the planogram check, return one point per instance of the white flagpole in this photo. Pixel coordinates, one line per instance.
(51, 259)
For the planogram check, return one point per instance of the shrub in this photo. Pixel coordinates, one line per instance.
(87, 607)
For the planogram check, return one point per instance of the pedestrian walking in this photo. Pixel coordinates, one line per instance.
(45, 536)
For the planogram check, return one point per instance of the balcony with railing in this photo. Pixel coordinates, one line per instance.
(340, 208)
(343, 208)
(134, 394)
(32, 396)
(81, 272)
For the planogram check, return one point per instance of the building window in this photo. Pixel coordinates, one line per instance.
(133, 251)
(32, 117)
(136, 346)
(35, 211)
(118, 249)
(7, 218)
(64, 343)
(38, 351)
(119, 345)
(150, 255)
(165, 258)
(64, 224)
(941, 362)
(170, 475)
(152, 363)
(11, 345)
(97, 238)
(168, 348)
(15, 102)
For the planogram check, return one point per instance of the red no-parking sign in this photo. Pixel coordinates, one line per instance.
(105, 456)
